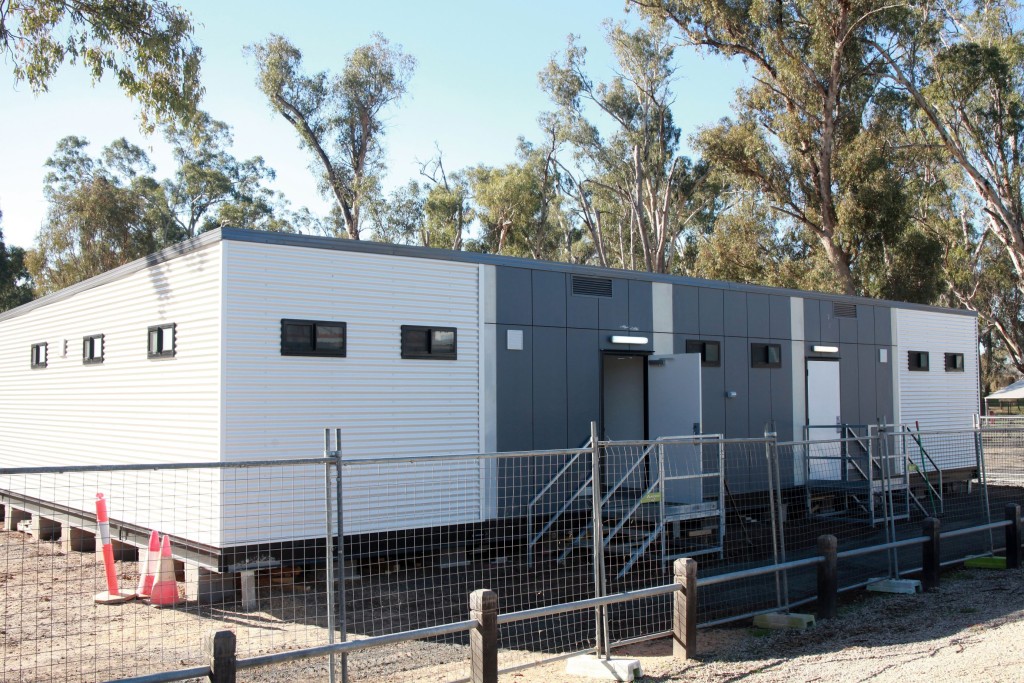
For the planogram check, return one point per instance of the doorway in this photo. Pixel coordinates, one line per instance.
(823, 417)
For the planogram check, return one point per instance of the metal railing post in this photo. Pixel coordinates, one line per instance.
(931, 555)
(828, 577)
(328, 555)
(340, 556)
(773, 513)
(684, 609)
(598, 537)
(483, 638)
(219, 648)
(1013, 536)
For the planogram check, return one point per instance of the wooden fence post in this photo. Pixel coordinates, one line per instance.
(931, 558)
(220, 649)
(828, 577)
(1013, 536)
(684, 609)
(483, 639)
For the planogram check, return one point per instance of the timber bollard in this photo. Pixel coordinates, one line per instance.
(483, 639)
(1013, 536)
(931, 557)
(684, 609)
(828, 577)
(220, 650)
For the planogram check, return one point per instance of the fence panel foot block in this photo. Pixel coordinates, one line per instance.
(779, 621)
(903, 586)
(611, 669)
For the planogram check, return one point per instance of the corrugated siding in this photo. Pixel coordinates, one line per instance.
(129, 409)
(937, 399)
(277, 406)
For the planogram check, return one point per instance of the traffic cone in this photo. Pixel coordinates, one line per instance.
(113, 594)
(149, 567)
(165, 589)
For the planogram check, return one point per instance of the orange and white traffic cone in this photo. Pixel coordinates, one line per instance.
(165, 589)
(148, 568)
(113, 595)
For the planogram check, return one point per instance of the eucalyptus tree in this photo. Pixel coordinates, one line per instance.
(145, 44)
(15, 287)
(635, 175)
(339, 118)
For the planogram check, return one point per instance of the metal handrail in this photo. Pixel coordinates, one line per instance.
(606, 497)
(531, 539)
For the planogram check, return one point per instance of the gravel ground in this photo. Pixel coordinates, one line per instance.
(970, 629)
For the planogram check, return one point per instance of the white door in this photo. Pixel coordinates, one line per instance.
(823, 412)
(674, 409)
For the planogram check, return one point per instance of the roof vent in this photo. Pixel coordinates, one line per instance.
(844, 310)
(591, 286)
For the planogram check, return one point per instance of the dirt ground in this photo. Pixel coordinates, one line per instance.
(972, 628)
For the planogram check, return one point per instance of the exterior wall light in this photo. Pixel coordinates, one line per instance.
(622, 339)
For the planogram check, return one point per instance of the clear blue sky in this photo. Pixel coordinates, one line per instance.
(474, 90)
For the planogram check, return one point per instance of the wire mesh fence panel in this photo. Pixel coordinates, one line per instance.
(238, 548)
(1003, 450)
(517, 524)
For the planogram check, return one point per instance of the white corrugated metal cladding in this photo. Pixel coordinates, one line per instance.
(129, 408)
(937, 398)
(277, 406)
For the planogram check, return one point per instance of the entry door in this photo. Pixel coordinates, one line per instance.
(823, 409)
(674, 409)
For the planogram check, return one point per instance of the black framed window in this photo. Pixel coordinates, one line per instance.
(39, 355)
(314, 338)
(917, 361)
(710, 352)
(92, 349)
(766, 355)
(954, 362)
(162, 341)
(429, 343)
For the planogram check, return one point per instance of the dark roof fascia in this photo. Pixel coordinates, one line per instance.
(172, 252)
(315, 242)
(407, 251)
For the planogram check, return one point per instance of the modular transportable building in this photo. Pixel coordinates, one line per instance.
(241, 345)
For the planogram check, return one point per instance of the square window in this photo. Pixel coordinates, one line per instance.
(39, 355)
(765, 356)
(954, 362)
(429, 343)
(710, 352)
(161, 343)
(917, 361)
(92, 349)
(313, 338)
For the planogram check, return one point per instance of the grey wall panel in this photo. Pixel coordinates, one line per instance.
(712, 382)
(514, 419)
(812, 320)
(710, 311)
(883, 325)
(849, 402)
(867, 358)
(735, 361)
(865, 324)
(549, 388)
(781, 314)
(883, 386)
(685, 309)
(583, 377)
(759, 397)
(580, 311)
(613, 311)
(829, 324)
(782, 393)
(848, 330)
(759, 315)
(549, 298)
(735, 311)
(514, 298)
(641, 311)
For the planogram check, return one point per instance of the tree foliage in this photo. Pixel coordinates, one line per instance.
(339, 118)
(15, 287)
(146, 45)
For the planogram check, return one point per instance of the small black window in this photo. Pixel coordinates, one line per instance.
(39, 355)
(765, 356)
(918, 361)
(313, 338)
(92, 349)
(710, 356)
(162, 343)
(954, 362)
(429, 343)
